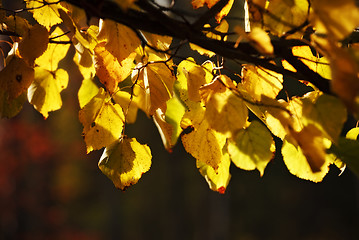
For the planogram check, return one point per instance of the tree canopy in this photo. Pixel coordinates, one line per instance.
(228, 106)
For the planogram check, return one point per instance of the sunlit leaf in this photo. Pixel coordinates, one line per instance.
(203, 143)
(102, 120)
(219, 179)
(297, 163)
(252, 148)
(258, 81)
(125, 161)
(156, 80)
(120, 41)
(87, 91)
(225, 112)
(327, 113)
(337, 19)
(45, 12)
(285, 15)
(128, 104)
(109, 70)
(54, 53)
(44, 92)
(174, 113)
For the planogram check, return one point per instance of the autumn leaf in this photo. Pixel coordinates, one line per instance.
(125, 161)
(129, 105)
(16, 77)
(54, 53)
(156, 81)
(327, 113)
(336, 19)
(252, 148)
(285, 15)
(203, 143)
(225, 112)
(173, 116)
(298, 165)
(217, 179)
(109, 70)
(119, 40)
(87, 91)
(261, 82)
(45, 12)
(44, 92)
(102, 120)
(38, 34)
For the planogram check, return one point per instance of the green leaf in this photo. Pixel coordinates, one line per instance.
(125, 161)
(348, 151)
(252, 148)
(174, 113)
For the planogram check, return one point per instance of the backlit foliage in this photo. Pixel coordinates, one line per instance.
(222, 114)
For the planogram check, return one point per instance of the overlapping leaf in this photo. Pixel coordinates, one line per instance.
(102, 120)
(210, 3)
(125, 161)
(45, 12)
(252, 148)
(44, 92)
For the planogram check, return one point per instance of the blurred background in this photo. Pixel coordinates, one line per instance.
(50, 189)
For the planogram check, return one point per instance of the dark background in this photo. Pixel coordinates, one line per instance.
(50, 189)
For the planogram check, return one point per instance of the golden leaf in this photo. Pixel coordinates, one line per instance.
(109, 70)
(252, 148)
(217, 179)
(102, 120)
(210, 3)
(44, 92)
(45, 12)
(125, 161)
(261, 82)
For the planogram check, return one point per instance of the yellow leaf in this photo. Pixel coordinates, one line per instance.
(297, 163)
(174, 113)
(337, 19)
(36, 34)
(44, 92)
(16, 77)
(327, 113)
(190, 77)
(217, 180)
(128, 104)
(318, 65)
(54, 53)
(261, 82)
(157, 41)
(285, 15)
(203, 143)
(261, 41)
(125, 161)
(102, 120)
(225, 112)
(87, 91)
(120, 40)
(252, 148)
(45, 12)
(109, 70)
(156, 80)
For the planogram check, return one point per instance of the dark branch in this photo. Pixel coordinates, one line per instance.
(153, 20)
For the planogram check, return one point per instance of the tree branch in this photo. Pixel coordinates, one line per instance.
(153, 20)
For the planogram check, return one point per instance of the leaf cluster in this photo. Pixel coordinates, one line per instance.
(128, 53)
